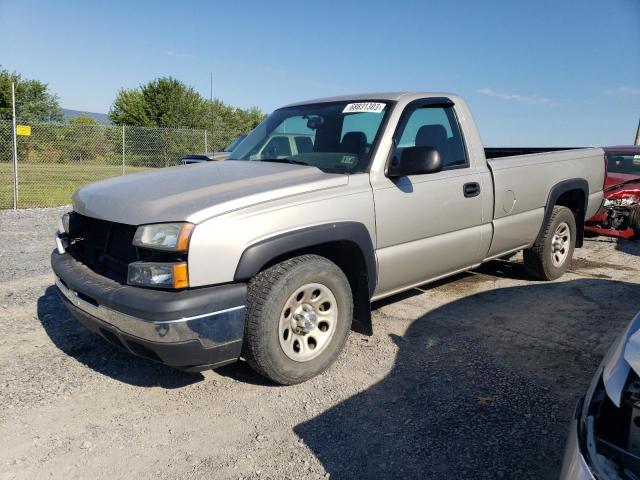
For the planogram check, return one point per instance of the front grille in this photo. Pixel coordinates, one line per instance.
(105, 247)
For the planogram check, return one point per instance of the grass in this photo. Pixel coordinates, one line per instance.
(51, 184)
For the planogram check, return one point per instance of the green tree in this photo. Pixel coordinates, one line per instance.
(233, 118)
(164, 102)
(34, 102)
(225, 122)
(86, 142)
(167, 102)
(83, 120)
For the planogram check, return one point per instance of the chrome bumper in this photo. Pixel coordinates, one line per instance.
(190, 329)
(206, 327)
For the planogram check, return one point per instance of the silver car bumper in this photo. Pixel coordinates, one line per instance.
(191, 329)
(200, 327)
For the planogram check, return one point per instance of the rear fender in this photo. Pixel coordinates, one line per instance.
(556, 192)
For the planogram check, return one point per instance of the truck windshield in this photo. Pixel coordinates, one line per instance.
(235, 142)
(336, 137)
(623, 163)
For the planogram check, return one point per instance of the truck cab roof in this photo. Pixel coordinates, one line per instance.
(389, 96)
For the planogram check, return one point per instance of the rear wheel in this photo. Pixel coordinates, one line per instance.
(551, 254)
(299, 315)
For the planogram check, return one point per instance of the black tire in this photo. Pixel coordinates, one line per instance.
(538, 259)
(267, 294)
(634, 221)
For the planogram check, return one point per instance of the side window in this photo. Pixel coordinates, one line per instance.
(435, 127)
(277, 147)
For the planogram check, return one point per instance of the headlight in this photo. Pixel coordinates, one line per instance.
(621, 202)
(64, 223)
(172, 237)
(163, 275)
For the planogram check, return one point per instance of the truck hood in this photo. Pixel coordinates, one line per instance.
(618, 178)
(197, 192)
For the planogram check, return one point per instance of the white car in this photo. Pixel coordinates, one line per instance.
(283, 145)
(604, 437)
(213, 156)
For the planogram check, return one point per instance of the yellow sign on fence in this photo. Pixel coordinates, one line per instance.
(23, 130)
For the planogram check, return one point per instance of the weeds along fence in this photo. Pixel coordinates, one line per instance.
(56, 159)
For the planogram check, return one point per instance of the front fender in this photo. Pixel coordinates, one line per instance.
(273, 228)
(256, 256)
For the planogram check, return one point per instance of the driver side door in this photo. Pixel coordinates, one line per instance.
(429, 225)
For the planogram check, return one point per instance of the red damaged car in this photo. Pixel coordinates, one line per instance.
(620, 212)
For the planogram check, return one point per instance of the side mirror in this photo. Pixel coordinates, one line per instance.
(415, 161)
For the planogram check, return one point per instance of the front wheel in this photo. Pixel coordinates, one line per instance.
(299, 315)
(551, 254)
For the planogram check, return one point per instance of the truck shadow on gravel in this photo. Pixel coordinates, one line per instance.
(482, 387)
(89, 349)
(631, 247)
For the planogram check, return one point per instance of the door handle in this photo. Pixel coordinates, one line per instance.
(471, 189)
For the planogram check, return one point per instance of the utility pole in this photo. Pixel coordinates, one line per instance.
(637, 142)
(15, 148)
(211, 99)
(123, 162)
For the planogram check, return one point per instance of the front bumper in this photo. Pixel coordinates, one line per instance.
(193, 329)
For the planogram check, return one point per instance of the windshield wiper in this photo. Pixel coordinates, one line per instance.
(285, 160)
(336, 169)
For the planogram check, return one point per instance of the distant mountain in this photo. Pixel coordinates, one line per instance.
(100, 117)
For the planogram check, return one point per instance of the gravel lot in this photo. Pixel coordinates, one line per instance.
(473, 377)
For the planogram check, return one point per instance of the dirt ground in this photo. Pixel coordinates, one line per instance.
(473, 377)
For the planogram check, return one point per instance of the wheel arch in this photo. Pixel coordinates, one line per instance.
(573, 194)
(347, 244)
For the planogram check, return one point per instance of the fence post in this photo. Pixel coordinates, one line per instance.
(123, 149)
(15, 148)
(206, 147)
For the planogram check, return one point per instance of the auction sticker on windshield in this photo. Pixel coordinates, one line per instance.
(372, 107)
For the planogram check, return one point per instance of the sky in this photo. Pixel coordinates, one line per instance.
(534, 72)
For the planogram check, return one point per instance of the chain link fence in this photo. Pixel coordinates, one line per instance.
(56, 159)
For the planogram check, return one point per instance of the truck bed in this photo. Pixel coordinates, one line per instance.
(522, 186)
(499, 152)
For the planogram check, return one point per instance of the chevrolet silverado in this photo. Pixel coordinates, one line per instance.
(271, 256)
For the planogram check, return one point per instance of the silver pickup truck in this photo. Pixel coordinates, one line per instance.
(270, 257)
